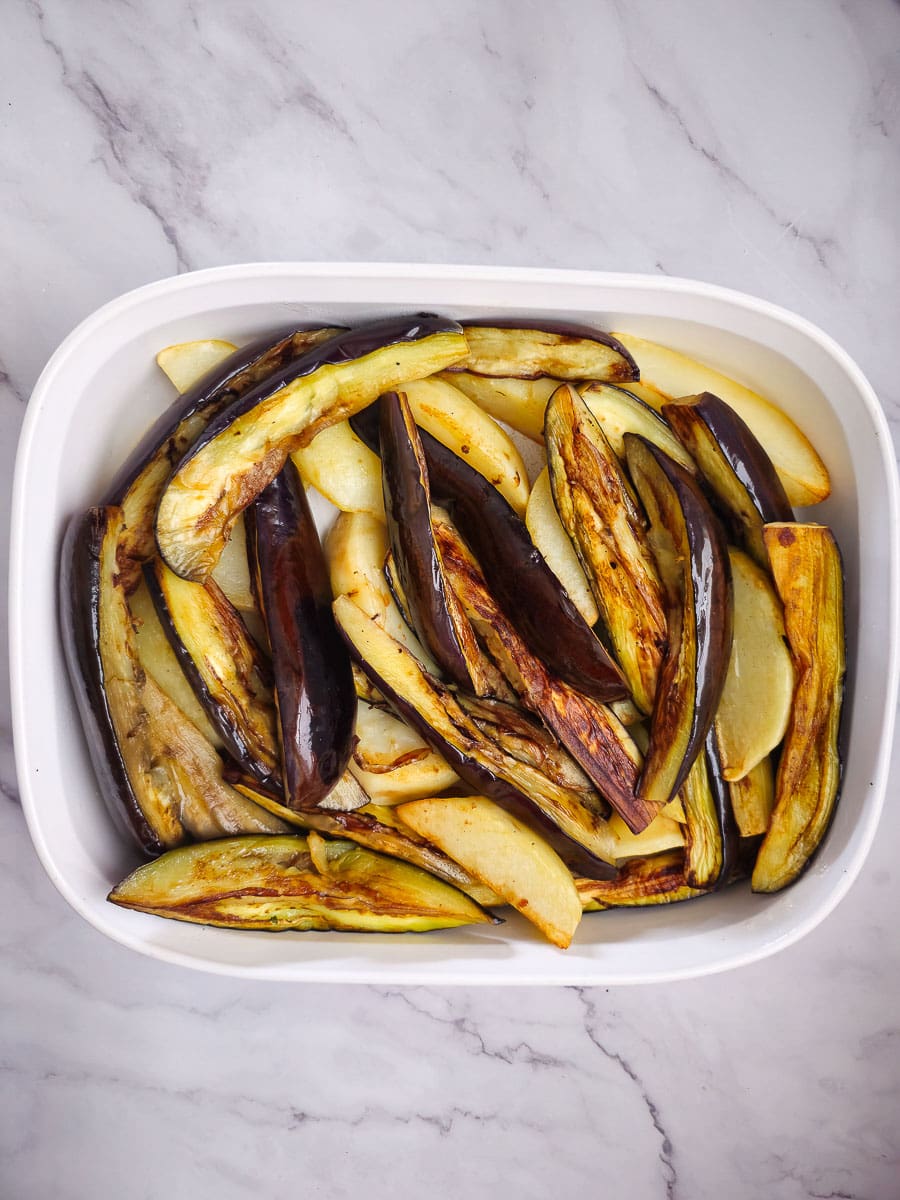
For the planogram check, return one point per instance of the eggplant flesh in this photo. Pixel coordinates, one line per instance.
(223, 665)
(589, 731)
(560, 350)
(294, 882)
(516, 572)
(141, 480)
(158, 774)
(710, 834)
(744, 484)
(806, 566)
(314, 691)
(242, 450)
(692, 558)
(619, 411)
(641, 882)
(599, 513)
(515, 763)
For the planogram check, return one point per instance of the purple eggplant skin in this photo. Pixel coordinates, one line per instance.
(567, 329)
(407, 506)
(697, 660)
(79, 610)
(314, 691)
(742, 482)
(728, 830)
(517, 574)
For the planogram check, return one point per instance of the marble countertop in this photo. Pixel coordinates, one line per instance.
(756, 146)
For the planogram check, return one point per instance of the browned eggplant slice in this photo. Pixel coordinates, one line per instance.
(589, 731)
(710, 845)
(294, 882)
(737, 470)
(692, 558)
(602, 519)
(806, 566)
(314, 692)
(158, 774)
(223, 664)
(659, 879)
(140, 482)
(515, 763)
(244, 448)
(524, 586)
(565, 351)
(377, 828)
(618, 411)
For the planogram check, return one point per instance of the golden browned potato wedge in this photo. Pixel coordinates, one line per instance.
(505, 854)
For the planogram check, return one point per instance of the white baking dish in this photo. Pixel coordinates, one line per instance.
(101, 389)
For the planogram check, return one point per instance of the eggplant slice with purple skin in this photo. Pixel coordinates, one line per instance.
(492, 746)
(590, 732)
(141, 480)
(517, 575)
(641, 882)
(159, 776)
(692, 559)
(314, 691)
(602, 518)
(223, 665)
(739, 474)
(525, 350)
(245, 447)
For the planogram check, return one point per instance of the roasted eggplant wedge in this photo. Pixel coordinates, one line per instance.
(244, 448)
(641, 882)
(618, 411)
(737, 470)
(599, 513)
(490, 745)
(139, 484)
(314, 691)
(223, 665)
(294, 882)
(710, 844)
(524, 586)
(692, 559)
(806, 566)
(158, 774)
(753, 799)
(597, 741)
(562, 351)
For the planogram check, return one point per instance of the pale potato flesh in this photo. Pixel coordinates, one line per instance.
(551, 539)
(343, 469)
(187, 362)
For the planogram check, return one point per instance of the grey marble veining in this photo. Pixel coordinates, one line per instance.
(752, 145)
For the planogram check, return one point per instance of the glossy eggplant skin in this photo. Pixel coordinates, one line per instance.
(223, 665)
(728, 830)
(588, 730)
(314, 690)
(693, 563)
(557, 348)
(245, 446)
(744, 485)
(517, 574)
(79, 594)
(141, 479)
(417, 559)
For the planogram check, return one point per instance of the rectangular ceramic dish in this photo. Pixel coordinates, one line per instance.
(102, 389)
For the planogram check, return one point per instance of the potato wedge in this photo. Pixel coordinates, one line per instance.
(661, 834)
(342, 469)
(755, 707)
(232, 571)
(187, 362)
(465, 428)
(803, 474)
(551, 539)
(518, 403)
(504, 854)
(392, 763)
(753, 799)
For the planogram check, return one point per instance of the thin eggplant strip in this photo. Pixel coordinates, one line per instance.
(590, 732)
(525, 587)
(619, 411)
(745, 485)
(806, 566)
(141, 480)
(562, 350)
(640, 883)
(294, 882)
(314, 691)
(158, 774)
(223, 665)
(597, 510)
(521, 776)
(692, 558)
(244, 448)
